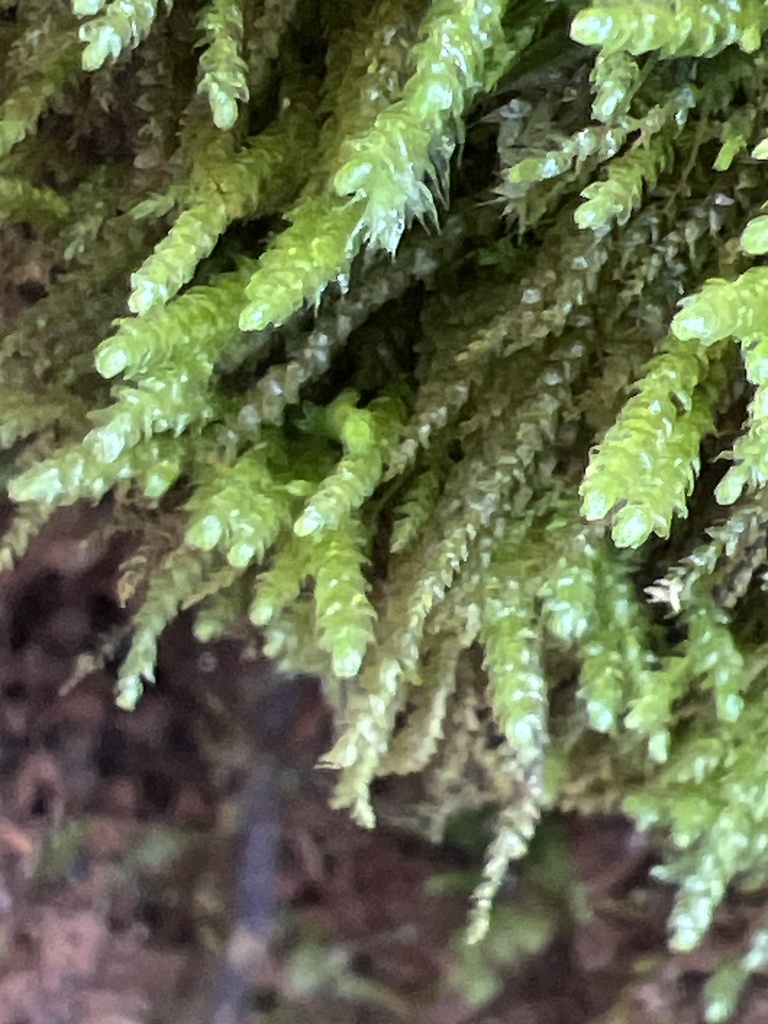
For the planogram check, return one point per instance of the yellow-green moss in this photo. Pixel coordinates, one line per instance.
(386, 275)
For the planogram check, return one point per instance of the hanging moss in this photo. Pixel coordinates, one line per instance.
(421, 334)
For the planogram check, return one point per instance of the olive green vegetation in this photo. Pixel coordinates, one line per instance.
(424, 335)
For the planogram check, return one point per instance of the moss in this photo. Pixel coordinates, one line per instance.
(441, 319)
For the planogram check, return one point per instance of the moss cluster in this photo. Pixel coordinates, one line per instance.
(350, 299)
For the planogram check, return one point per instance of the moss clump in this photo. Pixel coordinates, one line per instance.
(349, 296)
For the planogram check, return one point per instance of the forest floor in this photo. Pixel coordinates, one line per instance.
(121, 837)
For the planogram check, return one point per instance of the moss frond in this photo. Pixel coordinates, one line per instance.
(224, 72)
(669, 417)
(181, 573)
(115, 27)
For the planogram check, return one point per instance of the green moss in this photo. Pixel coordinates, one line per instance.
(369, 434)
